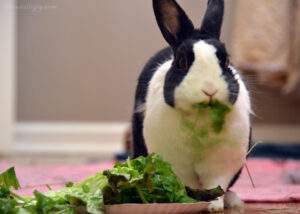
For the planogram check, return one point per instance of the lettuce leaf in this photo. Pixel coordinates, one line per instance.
(9, 179)
(83, 197)
(87, 194)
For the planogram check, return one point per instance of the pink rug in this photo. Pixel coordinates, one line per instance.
(55, 176)
(270, 178)
(271, 182)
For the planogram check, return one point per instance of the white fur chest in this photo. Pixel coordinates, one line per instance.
(197, 167)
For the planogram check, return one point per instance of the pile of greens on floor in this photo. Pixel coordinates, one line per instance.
(142, 180)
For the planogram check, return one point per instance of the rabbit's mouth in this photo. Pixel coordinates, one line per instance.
(210, 95)
(209, 116)
(205, 106)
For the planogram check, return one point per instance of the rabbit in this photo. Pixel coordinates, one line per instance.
(194, 68)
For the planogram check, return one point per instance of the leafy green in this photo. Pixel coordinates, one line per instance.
(45, 205)
(142, 180)
(8, 206)
(4, 192)
(9, 179)
(87, 193)
(206, 126)
(217, 113)
(69, 200)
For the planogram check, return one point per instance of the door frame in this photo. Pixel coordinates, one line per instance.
(7, 74)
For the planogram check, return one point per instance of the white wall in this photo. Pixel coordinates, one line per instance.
(7, 61)
(79, 61)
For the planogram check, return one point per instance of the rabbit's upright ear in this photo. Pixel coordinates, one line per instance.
(172, 21)
(213, 19)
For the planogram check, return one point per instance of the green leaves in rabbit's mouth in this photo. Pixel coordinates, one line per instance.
(217, 112)
(206, 124)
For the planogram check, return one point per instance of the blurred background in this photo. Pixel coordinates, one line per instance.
(68, 70)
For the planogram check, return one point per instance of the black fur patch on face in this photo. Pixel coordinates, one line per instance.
(233, 85)
(221, 51)
(183, 59)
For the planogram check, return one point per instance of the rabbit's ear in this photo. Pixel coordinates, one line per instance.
(172, 21)
(213, 18)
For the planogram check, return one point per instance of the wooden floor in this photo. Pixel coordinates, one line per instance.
(277, 208)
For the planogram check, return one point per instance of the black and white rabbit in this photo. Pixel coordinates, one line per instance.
(194, 69)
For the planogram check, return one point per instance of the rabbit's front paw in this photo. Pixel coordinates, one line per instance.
(216, 206)
(231, 200)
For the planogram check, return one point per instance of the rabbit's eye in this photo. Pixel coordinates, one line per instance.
(183, 63)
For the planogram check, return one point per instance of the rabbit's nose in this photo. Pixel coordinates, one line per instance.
(209, 93)
(209, 87)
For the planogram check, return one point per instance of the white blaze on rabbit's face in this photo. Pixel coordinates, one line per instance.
(203, 78)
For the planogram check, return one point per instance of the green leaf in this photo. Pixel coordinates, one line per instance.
(44, 204)
(47, 205)
(87, 193)
(9, 179)
(8, 206)
(217, 112)
(4, 192)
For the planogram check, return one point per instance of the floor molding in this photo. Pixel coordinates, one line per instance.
(68, 138)
(277, 133)
(105, 138)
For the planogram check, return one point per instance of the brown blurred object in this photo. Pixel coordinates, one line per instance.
(294, 176)
(266, 41)
(127, 140)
